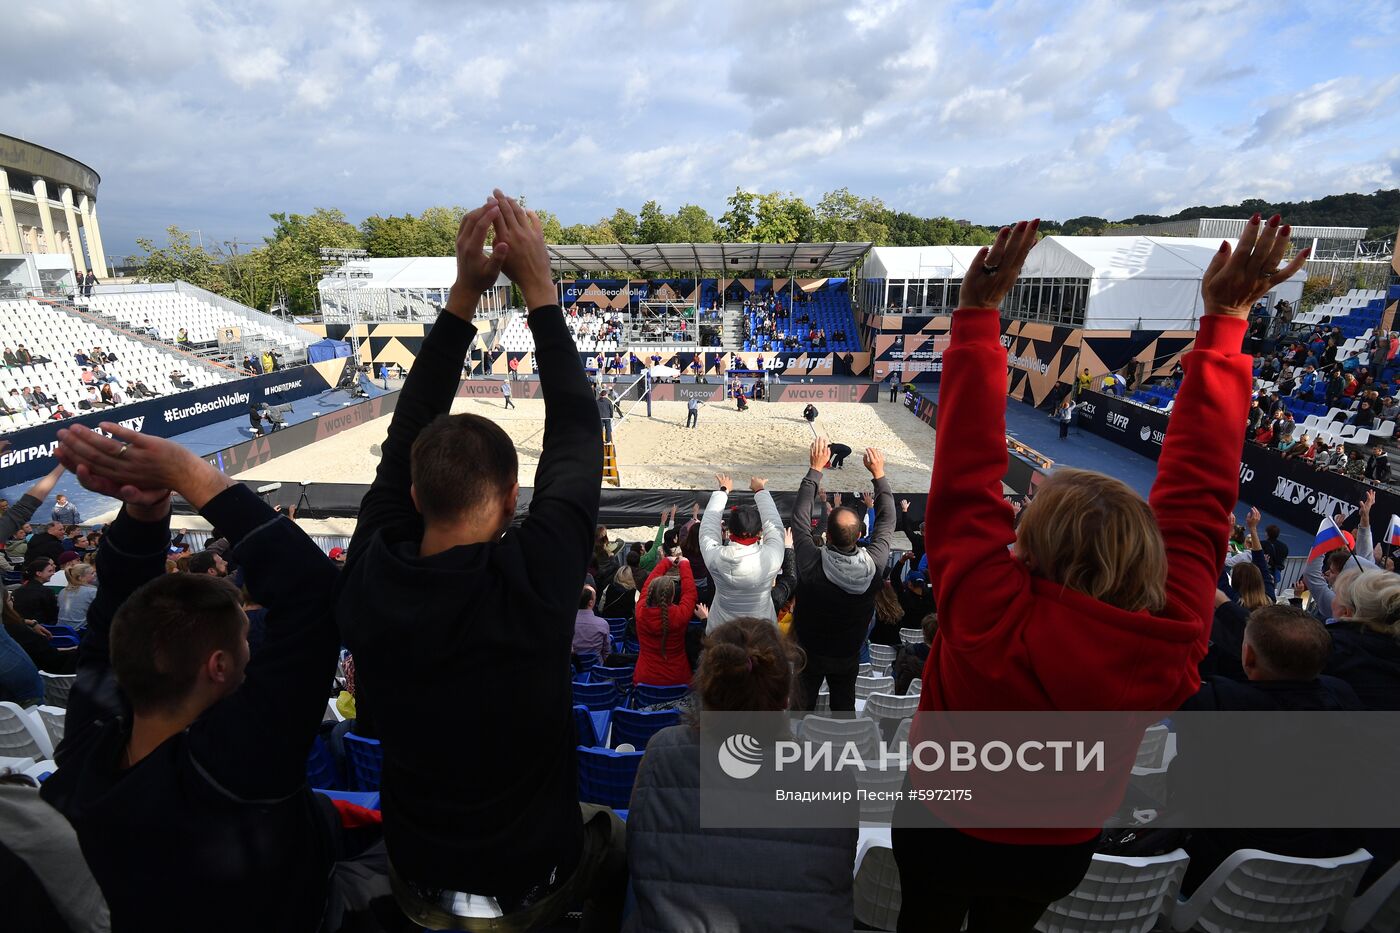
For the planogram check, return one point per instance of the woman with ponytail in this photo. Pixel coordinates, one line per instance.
(666, 605)
(688, 877)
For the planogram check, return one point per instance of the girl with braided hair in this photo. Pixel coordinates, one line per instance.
(664, 611)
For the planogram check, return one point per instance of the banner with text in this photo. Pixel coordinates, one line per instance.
(28, 454)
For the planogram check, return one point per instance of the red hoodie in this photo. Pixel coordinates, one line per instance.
(1008, 640)
(675, 667)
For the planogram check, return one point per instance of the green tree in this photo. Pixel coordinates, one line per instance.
(623, 226)
(181, 259)
(845, 217)
(391, 236)
(293, 252)
(782, 219)
(693, 224)
(588, 234)
(653, 226)
(553, 230)
(738, 221)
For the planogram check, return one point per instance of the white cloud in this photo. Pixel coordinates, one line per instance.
(937, 106)
(1324, 106)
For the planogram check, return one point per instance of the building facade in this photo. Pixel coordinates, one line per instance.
(48, 210)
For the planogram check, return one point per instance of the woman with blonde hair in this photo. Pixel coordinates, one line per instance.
(1098, 600)
(1248, 584)
(1365, 651)
(75, 598)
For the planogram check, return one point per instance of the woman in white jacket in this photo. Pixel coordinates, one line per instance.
(743, 569)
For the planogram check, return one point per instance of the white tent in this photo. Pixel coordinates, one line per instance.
(1134, 282)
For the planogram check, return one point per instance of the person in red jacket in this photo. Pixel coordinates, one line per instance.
(1097, 600)
(663, 613)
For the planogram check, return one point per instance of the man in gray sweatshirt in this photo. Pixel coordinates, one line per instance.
(837, 582)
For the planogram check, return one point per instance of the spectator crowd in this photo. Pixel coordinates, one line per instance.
(447, 649)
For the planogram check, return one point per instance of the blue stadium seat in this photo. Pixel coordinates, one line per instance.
(644, 695)
(596, 696)
(585, 661)
(321, 771)
(63, 641)
(367, 799)
(606, 777)
(13, 577)
(66, 630)
(622, 676)
(618, 627)
(636, 727)
(366, 758)
(583, 724)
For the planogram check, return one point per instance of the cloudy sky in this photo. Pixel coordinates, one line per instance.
(211, 115)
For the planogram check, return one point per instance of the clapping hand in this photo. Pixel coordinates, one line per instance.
(724, 482)
(820, 454)
(526, 258)
(757, 483)
(874, 461)
(476, 271)
(1237, 278)
(994, 270)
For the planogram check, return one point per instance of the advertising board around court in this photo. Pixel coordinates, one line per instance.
(28, 454)
(1289, 488)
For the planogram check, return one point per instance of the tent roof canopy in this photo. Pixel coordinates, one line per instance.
(631, 258)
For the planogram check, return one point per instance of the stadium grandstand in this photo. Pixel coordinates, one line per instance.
(416, 565)
(48, 219)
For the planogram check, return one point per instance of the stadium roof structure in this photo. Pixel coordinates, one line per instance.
(706, 257)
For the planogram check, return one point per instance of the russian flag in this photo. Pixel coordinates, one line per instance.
(1392, 532)
(1329, 538)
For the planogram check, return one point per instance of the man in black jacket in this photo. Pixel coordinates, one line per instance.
(836, 584)
(183, 762)
(914, 532)
(446, 606)
(47, 543)
(1284, 652)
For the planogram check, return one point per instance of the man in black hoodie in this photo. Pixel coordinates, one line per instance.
(183, 761)
(450, 609)
(836, 584)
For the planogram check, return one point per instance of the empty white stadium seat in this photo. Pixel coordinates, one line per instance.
(876, 891)
(864, 733)
(1118, 895)
(22, 734)
(1254, 891)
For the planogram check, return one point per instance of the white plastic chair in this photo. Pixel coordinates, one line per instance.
(1254, 891)
(891, 706)
(901, 734)
(22, 735)
(876, 891)
(866, 684)
(864, 733)
(1378, 910)
(53, 718)
(1118, 895)
(916, 687)
(884, 783)
(912, 636)
(882, 656)
(57, 688)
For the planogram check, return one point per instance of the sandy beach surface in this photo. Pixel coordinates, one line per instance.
(769, 440)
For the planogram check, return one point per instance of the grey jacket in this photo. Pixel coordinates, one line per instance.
(686, 878)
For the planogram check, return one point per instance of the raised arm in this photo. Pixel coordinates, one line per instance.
(650, 558)
(557, 537)
(131, 554)
(1197, 483)
(711, 540)
(969, 525)
(882, 534)
(29, 502)
(807, 554)
(771, 545)
(431, 383)
(273, 717)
